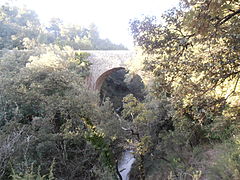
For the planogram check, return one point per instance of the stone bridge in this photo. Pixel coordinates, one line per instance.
(104, 63)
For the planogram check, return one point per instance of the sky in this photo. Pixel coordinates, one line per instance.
(110, 16)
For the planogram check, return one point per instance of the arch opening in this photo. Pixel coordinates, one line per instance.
(103, 77)
(115, 87)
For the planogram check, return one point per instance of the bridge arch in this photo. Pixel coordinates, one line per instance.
(107, 76)
(114, 86)
(103, 76)
(104, 63)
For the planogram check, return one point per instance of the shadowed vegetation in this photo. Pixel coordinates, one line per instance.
(182, 123)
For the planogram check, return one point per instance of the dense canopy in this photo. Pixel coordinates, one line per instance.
(183, 123)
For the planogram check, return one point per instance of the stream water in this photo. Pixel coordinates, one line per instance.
(125, 164)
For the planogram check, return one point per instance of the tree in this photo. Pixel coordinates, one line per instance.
(193, 57)
(190, 64)
(42, 91)
(102, 44)
(45, 95)
(17, 26)
(21, 29)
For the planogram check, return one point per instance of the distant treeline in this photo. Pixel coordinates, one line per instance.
(21, 29)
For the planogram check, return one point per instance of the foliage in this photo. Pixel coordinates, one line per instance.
(18, 27)
(44, 103)
(32, 176)
(77, 37)
(144, 122)
(97, 139)
(191, 110)
(192, 57)
(21, 29)
(228, 159)
(198, 71)
(43, 92)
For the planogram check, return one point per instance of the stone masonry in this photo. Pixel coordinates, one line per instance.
(104, 63)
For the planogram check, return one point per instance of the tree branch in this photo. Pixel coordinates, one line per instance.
(226, 18)
(234, 89)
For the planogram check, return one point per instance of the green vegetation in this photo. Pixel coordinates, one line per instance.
(21, 29)
(193, 56)
(185, 127)
(48, 118)
(43, 107)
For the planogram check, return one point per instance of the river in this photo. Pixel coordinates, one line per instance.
(125, 164)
